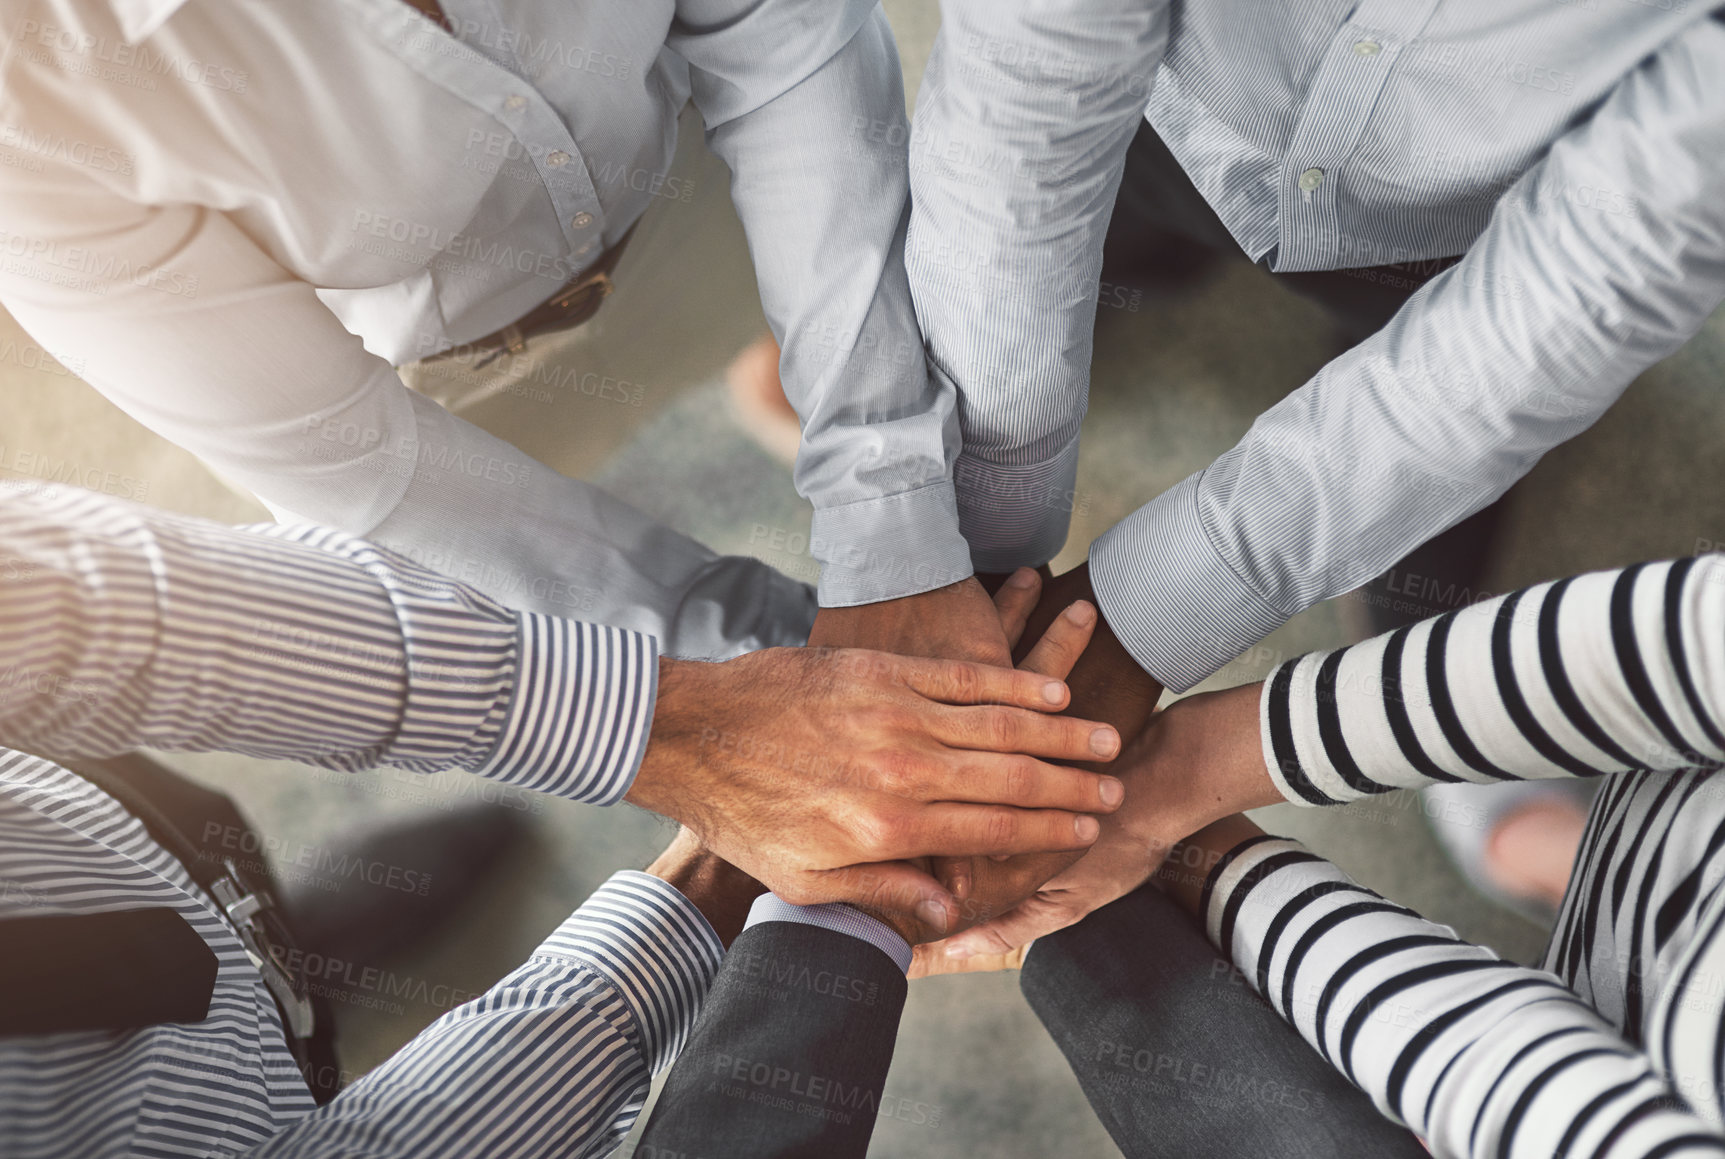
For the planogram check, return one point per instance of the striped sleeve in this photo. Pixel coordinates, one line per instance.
(1478, 1056)
(1598, 674)
(128, 627)
(554, 1060)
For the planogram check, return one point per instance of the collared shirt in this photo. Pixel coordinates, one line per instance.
(240, 215)
(1575, 152)
(126, 627)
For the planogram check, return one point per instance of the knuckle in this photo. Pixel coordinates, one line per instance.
(1002, 727)
(1019, 782)
(1000, 828)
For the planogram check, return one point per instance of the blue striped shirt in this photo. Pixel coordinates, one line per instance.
(1575, 152)
(126, 627)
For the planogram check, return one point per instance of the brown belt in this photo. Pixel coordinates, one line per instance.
(574, 304)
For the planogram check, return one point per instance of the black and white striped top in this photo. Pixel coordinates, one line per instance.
(125, 627)
(1616, 1045)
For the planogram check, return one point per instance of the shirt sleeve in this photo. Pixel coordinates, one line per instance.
(183, 321)
(1478, 1056)
(804, 100)
(126, 627)
(553, 1061)
(1571, 291)
(1594, 675)
(1021, 131)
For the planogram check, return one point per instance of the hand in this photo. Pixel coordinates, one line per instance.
(722, 892)
(821, 771)
(1201, 760)
(1107, 685)
(957, 622)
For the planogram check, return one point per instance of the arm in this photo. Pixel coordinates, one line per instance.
(1600, 674)
(184, 322)
(1021, 132)
(791, 1053)
(1477, 1055)
(305, 644)
(803, 101)
(1555, 309)
(554, 1060)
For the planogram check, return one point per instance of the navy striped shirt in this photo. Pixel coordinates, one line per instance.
(126, 627)
(1616, 1044)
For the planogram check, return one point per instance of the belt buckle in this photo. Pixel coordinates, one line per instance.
(265, 940)
(600, 280)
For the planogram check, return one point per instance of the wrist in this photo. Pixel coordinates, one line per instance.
(675, 733)
(722, 892)
(1183, 875)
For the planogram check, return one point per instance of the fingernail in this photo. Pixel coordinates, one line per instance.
(1113, 792)
(932, 914)
(960, 887)
(1022, 578)
(1054, 692)
(1081, 613)
(1087, 827)
(1104, 742)
(957, 952)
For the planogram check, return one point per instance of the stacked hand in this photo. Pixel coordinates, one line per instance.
(1199, 761)
(824, 772)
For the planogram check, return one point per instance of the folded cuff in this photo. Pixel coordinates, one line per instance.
(582, 711)
(655, 947)
(1176, 606)
(1016, 516)
(887, 548)
(838, 918)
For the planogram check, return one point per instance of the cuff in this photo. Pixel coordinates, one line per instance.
(582, 711)
(888, 548)
(656, 949)
(1175, 605)
(1241, 870)
(1016, 516)
(1300, 782)
(839, 918)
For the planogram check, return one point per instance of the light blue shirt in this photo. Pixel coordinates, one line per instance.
(1575, 152)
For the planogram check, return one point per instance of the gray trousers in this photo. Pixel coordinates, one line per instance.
(1180, 1057)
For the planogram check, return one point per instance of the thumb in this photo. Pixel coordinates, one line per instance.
(1035, 917)
(898, 893)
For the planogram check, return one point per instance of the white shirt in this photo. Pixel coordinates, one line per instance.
(242, 215)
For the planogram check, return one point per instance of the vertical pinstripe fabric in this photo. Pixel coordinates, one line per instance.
(1574, 152)
(126, 628)
(552, 1061)
(1615, 1045)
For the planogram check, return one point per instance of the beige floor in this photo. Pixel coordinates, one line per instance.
(1175, 383)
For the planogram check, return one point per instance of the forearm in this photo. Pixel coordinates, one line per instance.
(879, 432)
(1588, 676)
(554, 1060)
(1021, 132)
(1553, 311)
(1445, 1036)
(301, 644)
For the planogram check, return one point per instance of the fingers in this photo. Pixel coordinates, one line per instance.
(1057, 653)
(961, 682)
(1009, 934)
(1007, 730)
(1027, 783)
(931, 958)
(956, 873)
(898, 893)
(973, 830)
(1015, 600)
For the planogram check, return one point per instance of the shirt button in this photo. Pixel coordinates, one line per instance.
(1367, 47)
(557, 158)
(515, 103)
(1311, 179)
(581, 220)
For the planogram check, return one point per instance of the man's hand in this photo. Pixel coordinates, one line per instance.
(1199, 761)
(722, 892)
(1107, 685)
(957, 622)
(821, 772)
